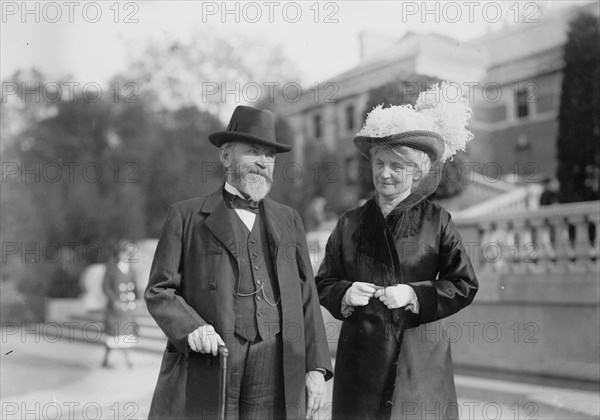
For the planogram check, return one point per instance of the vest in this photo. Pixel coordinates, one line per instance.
(258, 309)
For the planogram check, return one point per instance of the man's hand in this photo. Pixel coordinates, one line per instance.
(205, 340)
(316, 392)
(396, 296)
(359, 294)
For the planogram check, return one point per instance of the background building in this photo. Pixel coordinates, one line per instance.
(512, 78)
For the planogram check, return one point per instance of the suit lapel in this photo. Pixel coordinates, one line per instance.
(218, 220)
(274, 220)
(219, 224)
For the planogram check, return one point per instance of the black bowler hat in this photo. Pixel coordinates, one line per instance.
(250, 125)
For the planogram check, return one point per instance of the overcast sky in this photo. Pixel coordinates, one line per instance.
(84, 41)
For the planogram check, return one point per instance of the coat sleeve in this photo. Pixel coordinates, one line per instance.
(163, 294)
(331, 279)
(317, 351)
(456, 285)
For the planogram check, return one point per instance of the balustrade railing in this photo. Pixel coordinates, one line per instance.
(558, 238)
(519, 199)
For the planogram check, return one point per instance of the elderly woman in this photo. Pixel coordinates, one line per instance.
(395, 265)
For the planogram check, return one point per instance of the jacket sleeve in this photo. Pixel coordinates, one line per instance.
(331, 279)
(163, 293)
(456, 285)
(317, 351)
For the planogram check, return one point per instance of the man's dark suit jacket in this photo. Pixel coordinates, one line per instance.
(192, 283)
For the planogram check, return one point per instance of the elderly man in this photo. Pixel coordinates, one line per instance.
(232, 269)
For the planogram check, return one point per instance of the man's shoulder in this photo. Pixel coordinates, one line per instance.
(189, 204)
(193, 205)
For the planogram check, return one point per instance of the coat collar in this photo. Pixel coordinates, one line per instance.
(218, 223)
(217, 220)
(372, 235)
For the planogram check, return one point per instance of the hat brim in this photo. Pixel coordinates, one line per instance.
(219, 138)
(426, 141)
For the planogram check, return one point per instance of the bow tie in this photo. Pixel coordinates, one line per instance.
(238, 202)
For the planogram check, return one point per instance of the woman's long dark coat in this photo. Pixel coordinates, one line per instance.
(434, 262)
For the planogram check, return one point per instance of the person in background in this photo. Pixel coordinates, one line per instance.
(315, 213)
(550, 194)
(119, 287)
(396, 264)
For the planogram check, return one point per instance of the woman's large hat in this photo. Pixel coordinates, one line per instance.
(426, 141)
(435, 125)
(250, 125)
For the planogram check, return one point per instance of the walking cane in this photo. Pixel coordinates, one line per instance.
(223, 352)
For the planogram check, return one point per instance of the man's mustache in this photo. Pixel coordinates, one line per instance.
(256, 170)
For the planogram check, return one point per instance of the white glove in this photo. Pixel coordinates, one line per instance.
(398, 296)
(359, 294)
(205, 339)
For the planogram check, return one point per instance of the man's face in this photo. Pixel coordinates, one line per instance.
(250, 168)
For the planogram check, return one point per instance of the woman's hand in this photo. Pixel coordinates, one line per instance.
(396, 296)
(359, 294)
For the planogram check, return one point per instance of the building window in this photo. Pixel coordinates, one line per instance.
(522, 100)
(350, 117)
(318, 129)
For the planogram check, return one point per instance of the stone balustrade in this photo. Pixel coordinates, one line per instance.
(560, 239)
(520, 198)
(538, 307)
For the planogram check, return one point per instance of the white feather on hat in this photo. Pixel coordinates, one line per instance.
(432, 112)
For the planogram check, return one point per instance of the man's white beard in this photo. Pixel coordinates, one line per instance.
(254, 185)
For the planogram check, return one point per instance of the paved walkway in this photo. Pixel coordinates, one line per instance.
(45, 377)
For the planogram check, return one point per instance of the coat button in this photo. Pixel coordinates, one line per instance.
(259, 313)
(258, 298)
(255, 254)
(258, 282)
(213, 286)
(256, 267)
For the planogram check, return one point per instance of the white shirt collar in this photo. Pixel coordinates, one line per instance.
(248, 218)
(232, 190)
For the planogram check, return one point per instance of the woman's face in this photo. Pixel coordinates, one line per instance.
(393, 175)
